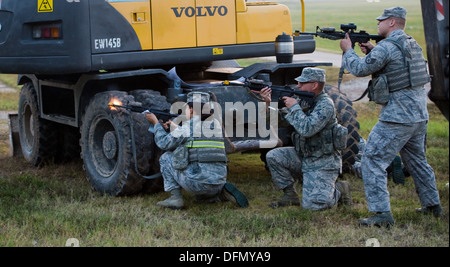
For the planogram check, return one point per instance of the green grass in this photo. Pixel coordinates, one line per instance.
(9, 80)
(47, 206)
(9, 100)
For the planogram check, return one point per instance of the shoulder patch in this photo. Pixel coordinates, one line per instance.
(370, 60)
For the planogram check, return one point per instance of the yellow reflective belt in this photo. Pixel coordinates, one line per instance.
(215, 144)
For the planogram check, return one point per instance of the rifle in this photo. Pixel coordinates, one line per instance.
(360, 37)
(278, 92)
(162, 116)
(331, 33)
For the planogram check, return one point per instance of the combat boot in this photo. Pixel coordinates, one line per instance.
(290, 198)
(231, 193)
(175, 201)
(346, 197)
(436, 210)
(380, 219)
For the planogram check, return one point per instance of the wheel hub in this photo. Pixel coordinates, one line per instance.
(109, 145)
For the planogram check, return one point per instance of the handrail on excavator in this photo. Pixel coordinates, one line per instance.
(303, 15)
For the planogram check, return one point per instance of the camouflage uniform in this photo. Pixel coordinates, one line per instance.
(402, 122)
(202, 176)
(320, 170)
(195, 158)
(198, 178)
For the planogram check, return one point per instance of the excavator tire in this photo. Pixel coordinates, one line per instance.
(37, 136)
(148, 153)
(106, 146)
(347, 117)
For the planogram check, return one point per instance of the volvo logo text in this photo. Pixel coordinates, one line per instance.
(200, 11)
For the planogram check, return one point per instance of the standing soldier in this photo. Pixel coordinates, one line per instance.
(399, 73)
(315, 152)
(194, 162)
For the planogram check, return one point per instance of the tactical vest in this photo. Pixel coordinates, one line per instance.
(199, 149)
(323, 142)
(206, 150)
(414, 71)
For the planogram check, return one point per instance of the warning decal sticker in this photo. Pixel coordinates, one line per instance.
(217, 51)
(45, 5)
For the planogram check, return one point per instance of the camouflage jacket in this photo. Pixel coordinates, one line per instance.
(310, 125)
(204, 172)
(405, 106)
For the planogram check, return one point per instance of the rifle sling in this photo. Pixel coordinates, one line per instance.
(362, 96)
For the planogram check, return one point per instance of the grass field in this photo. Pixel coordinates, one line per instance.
(47, 206)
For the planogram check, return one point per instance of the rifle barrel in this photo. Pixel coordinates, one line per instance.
(332, 34)
(142, 109)
(308, 33)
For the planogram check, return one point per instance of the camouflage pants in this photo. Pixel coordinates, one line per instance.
(385, 141)
(318, 191)
(285, 166)
(194, 178)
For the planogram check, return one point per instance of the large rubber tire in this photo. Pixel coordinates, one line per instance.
(106, 146)
(38, 137)
(347, 117)
(148, 153)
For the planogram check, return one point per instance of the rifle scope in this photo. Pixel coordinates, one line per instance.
(347, 27)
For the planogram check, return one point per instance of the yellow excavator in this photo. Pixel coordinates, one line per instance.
(74, 57)
(75, 36)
